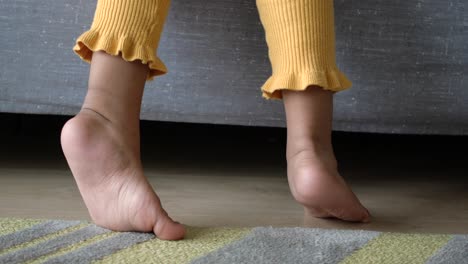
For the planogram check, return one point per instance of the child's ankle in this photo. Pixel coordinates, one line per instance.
(316, 145)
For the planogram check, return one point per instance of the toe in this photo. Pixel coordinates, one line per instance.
(166, 229)
(317, 212)
(367, 217)
(352, 214)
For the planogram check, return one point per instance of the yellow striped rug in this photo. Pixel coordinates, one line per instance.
(59, 241)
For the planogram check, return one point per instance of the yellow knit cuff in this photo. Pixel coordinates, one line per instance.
(300, 35)
(131, 29)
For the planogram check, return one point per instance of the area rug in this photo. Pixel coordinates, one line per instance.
(59, 241)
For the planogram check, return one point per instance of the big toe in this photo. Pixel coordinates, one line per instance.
(356, 213)
(167, 229)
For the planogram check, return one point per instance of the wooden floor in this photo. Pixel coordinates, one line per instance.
(235, 176)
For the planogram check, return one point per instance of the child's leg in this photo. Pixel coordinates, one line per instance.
(301, 42)
(102, 147)
(312, 167)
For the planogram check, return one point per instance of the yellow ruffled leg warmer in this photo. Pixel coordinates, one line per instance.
(129, 28)
(300, 35)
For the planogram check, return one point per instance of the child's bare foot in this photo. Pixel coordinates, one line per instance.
(312, 168)
(315, 183)
(107, 168)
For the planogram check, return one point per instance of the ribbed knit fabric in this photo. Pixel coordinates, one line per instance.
(129, 28)
(300, 35)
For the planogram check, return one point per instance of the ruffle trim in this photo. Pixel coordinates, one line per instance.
(332, 80)
(91, 41)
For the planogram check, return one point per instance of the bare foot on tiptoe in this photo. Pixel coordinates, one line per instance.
(107, 168)
(316, 184)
